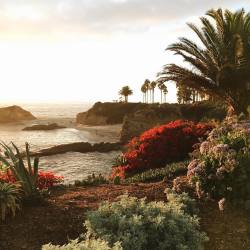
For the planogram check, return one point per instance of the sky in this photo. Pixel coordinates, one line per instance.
(86, 50)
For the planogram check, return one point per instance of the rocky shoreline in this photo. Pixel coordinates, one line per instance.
(80, 147)
(51, 126)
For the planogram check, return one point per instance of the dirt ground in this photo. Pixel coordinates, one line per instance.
(62, 217)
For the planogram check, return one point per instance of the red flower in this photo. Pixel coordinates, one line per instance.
(45, 180)
(159, 145)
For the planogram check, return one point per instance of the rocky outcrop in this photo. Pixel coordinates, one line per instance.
(153, 115)
(15, 114)
(51, 126)
(107, 113)
(81, 147)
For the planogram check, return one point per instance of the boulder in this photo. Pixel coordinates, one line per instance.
(51, 126)
(81, 147)
(15, 114)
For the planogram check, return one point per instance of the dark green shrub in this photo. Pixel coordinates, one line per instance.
(92, 180)
(158, 174)
(9, 199)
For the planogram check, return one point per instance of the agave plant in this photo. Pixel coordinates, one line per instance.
(219, 64)
(9, 198)
(26, 176)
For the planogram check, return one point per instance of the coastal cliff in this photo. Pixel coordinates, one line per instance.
(15, 114)
(154, 115)
(139, 117)
(107, 113)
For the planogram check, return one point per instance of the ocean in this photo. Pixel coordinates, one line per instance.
(73, 166)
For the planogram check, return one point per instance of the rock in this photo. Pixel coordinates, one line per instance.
(107, 113)
(15, 114)
(51, 126)
(154, 115)
(81, 147)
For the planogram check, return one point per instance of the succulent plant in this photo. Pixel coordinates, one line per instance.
(26, 176)
(9, 197)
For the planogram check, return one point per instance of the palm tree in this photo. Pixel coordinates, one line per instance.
(165, 91)
(144, 91)
(147, 87)
(161, 88)
(183, 93)
(221, 65)
(125, 91)
(152, 87)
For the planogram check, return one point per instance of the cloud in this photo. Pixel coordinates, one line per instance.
(99, 16)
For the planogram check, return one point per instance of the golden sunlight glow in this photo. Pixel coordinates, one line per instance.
(85, 51)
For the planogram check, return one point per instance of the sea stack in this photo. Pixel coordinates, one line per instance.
(15, 114)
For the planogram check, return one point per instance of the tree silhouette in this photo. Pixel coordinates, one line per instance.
(125, 91)
(221, 65)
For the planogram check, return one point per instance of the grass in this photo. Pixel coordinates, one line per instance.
(158, 174)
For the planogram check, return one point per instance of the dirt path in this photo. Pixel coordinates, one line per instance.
(63, 215)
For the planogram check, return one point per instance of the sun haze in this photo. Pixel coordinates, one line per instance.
(87, 50)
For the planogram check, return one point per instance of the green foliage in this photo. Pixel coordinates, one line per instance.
(133, 224)
(219, 64)
(170, 170)
(181, 202)
(139, 225)
(89, 244)
(92, 180)
(9, 198)
(27, 177)
(117, 180)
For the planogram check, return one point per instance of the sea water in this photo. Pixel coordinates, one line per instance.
(70, 165)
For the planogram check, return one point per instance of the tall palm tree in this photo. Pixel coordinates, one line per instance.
(221, 65)
(152, 87)
(161, 88)
(126, 91)
(147, 86)
(165, 92)
(144, 91)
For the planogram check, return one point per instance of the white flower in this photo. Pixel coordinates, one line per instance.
(204, 147)
(222, 204)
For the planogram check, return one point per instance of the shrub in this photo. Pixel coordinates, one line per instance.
(170, 170)
(32, 180)
(160, 145)
(27, 177)
(92, 180)
(133, 224)
(221, 168)
(88, 244)
(47, 180)
(141, 226)
(9, 198)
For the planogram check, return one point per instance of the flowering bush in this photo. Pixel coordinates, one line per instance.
(45, 180)
(221, 168)
(160, 145)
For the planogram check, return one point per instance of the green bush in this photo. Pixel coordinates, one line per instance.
(139, 225)
(92, 180)
(181, 202)
(89, 244)
(133, 224)
(27, 177)
(9, 199)
(170, 170)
